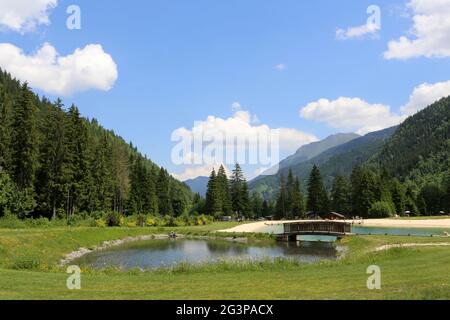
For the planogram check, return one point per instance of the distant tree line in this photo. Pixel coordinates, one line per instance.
(56, 164)
(367, 193)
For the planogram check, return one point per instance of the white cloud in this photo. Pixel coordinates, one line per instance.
(351, 114)
(24, 15)
(241, 125)
(424, 95)
(238, 137)
(280, 67)
(85, 69)
(430, 32)
(357, 32)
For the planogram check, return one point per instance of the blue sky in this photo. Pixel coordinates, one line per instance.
(181, 61)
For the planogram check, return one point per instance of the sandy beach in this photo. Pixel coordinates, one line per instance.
(256, 227)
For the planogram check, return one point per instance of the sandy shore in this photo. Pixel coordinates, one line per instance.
(387, 223)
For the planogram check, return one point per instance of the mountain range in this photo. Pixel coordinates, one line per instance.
(417, 150)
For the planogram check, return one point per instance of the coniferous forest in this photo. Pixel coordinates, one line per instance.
(55, 164)
(58, 165)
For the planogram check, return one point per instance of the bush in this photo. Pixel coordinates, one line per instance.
(140, 220)
(113, 219)
(152, 221)
(381, 209)
(203, 220)
(26, 263)
(169, 221)
(100, 223)
(10, 221)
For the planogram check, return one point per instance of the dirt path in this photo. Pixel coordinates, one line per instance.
(411, 245)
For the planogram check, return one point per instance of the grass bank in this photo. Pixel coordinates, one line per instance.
(28, 258)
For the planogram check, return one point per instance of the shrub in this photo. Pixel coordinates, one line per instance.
(100, 223)
(203, 220)
(113, 219)
(10, 221)
(169, 221)
(26, 263)
(151, 222)
(381, 209)
(140, 220)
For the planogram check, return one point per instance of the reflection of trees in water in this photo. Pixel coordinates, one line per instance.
(227, 247)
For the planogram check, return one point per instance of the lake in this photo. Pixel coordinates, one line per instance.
(166, 253)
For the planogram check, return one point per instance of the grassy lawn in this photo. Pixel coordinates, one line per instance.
(28, 270)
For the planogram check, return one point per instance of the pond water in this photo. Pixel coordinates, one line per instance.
(418, 232)
(166, 253)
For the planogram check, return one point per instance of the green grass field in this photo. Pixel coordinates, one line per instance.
(29, 258)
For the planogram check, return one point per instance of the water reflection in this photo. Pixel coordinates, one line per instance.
(160, 253)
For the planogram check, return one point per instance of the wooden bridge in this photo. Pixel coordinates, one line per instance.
(337, 229)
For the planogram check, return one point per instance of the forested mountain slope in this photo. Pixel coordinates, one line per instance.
(338, 160)
(420, 149)
(55, 163)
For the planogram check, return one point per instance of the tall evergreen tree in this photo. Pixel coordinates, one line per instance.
(239, 192)
(447, 192)
(163, 192)
(398, 197)
(23, 140)
(365, 191)
(51, 175)
(281, 205)
(224, 189)
(214, 196)
(317, 195)
(77, 165)
(340, 196)
(298, 201)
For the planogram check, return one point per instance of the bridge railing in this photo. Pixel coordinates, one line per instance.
(335, 227)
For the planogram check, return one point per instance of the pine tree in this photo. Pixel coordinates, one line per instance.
(224, 189)
(51, 184)
(290, 194)
(281, 205)
(214, 196)
(4, 129)
(447, 192)
(317, 195)
(340, 196)
(432, 195)
(365, 191)
(257, 203)
(77, 165)
(298, 201)
(7, 192)
(239, 192)
(266, 209)
(398, 197)
(23, 151)
(163, 192)
(23, 140)
(102, 189)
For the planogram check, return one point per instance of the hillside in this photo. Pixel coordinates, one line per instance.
(309, 151)
(198, 185)
(337, 160)
(55, 163)
(420, 149)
